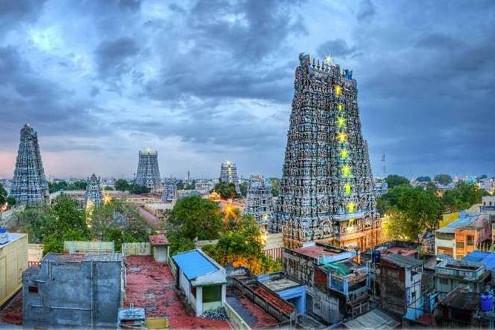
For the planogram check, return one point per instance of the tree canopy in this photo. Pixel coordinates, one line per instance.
(226, 190)
(443, 179)
(463, 196)
(275, 182)
(423, 179)
(410, 211)
(66, 221)
(3, 195)
(65, 185)
(193, 217)
(122, 185)
(396, 180)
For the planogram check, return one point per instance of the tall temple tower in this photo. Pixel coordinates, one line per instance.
(259, 201)
(93, 195)
(148, 172)
(327, 186)
(228, 173)
(29, 186)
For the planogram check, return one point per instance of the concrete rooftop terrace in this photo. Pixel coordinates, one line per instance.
(150, 285)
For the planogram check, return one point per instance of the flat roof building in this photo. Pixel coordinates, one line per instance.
(202, 280)
(73, 290)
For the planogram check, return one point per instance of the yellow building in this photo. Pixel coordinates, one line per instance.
(13, 261)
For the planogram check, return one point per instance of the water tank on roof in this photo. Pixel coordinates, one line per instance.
(375, 256)
(4, 236)
(486, 302)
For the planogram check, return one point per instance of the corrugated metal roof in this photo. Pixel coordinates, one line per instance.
(485, 258)
(374, 319)
(193, 264)
(402, 261)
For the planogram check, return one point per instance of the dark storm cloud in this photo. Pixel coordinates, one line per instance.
(113, 56)
(26, 97)
(337, 47)
(212, 74)
(366, 10)
(15, 12)
(433, 96)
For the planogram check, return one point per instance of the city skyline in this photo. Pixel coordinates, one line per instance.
(101, 80)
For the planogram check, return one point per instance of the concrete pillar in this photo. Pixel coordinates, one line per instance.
(224, 293)
(199, 301)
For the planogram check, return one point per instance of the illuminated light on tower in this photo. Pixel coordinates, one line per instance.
(342, 137)
(346, 171)
(347, 188)
(326, 183)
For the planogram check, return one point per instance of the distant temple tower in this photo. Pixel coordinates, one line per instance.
(327, 186)
(169, 190)
(228, 173)
(29, 186)
(148, 173)
(259, 201)
(93, 196)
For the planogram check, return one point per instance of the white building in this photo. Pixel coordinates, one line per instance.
(203, 281)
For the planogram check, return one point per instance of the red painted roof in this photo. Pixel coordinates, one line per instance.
(150, 285)
(159, 239)
(314, 251)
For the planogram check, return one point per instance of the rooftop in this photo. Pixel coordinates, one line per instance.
(82, 257)
(402, 261)
(374, 319)
(250, 312)
(199, 268)
(150, 285)
(318, 250)
(157, 240)
(485, 258)
(465, 219)
(12, 238)
(281, 284)
(461, 298)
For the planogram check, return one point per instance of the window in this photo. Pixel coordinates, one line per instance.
(33, 289)
(459, 245)
(470, 240)
(212, 293)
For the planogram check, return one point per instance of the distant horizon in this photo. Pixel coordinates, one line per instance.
(202, 83)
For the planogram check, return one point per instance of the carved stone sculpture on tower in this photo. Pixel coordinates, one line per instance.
(29, 186)
(327, 186)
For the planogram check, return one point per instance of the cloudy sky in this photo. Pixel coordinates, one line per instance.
(204, 81)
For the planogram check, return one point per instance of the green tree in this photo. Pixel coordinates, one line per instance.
(108, 188)
(411, 211)
(275, 182)
(443, 179)
(137, 189)
(396, 180)
(3, 195)
(226, 190)
(119, 222)
(122, 185)
(463, 196)
(191, 218)
(244, 188)
(11, 201)
(423, 179)
(241, 244)
(63, 221)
